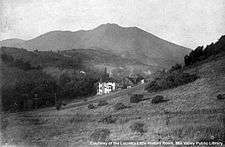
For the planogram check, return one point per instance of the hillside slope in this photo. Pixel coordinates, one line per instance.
(11, 42)
(95, 58)
(193, 113)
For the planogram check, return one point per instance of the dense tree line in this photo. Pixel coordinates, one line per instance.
(19, 63)
(48, 91)
(33, 82)
(77, 85)
(36, 89)
(201, 53)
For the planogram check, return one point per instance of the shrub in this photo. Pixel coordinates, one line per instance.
(58, 106)
(64, 103)
(170, 79)
(7, 58)
(102, 103)
(100, 135)
(220, 96)
(157, 99)
(120, 106)
(136, 98)
(138, 128)
(108, 119)
(91, 106)
(36, 121)
(176, 67)
(4, 124)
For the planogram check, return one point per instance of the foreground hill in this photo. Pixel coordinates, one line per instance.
(191, 114)
(129, 42)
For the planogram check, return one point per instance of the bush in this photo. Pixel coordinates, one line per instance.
(64, 103)
(136, 98)
(138, 128)
(176, 67)
(58, 105)
(91, 106)
(4, 124)
(102, 103)
(220, 96)
(170, 79)
(108, 119)
(100, 135)
(158, 99)
(120, 106)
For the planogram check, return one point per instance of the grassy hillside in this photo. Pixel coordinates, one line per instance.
(44, 58)
(100, 59)
(80, 59)
(11, 42)
(192, 113)
(99, 56)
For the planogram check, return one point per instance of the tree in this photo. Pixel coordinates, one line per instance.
(200, 53)
(63, 79)
(176, 67)
(8, 59)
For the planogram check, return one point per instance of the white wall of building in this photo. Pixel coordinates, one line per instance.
(106, 87)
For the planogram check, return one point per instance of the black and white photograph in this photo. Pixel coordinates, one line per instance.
(118, 73)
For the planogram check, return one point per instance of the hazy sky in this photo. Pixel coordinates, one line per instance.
(186, 22)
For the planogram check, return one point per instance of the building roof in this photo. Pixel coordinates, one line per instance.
(107, 79)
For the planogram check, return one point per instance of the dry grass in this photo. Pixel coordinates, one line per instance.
(100, 135)
(102, 103)
(123, 120)
(192, 114)
(138, 128)
(120, 106)
(200, 133)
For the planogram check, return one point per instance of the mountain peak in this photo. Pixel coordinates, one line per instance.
(108, 26)
(131, 42)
